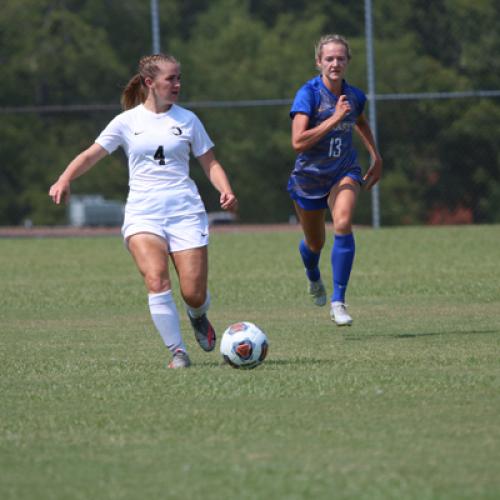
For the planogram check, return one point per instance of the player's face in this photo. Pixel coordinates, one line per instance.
(333, 61)
(166, 85)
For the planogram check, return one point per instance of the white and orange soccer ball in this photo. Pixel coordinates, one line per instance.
(244, 345)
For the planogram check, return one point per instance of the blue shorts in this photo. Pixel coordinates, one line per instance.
(311, 203)
(321, 203)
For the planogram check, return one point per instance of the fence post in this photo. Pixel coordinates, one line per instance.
(370, 67)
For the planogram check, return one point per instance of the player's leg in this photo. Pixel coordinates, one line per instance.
(192, 269)
(312, 222)
(150, 253)
(342, 202)
(188, 240)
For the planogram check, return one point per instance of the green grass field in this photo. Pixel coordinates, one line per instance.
(403, 405)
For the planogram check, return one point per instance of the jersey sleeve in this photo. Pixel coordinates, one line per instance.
(361, 100)
(303, 102)
(200, 141)
(112, 136)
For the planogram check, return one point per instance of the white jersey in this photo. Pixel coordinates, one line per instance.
(158, 146)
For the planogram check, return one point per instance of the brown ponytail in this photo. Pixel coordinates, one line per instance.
(136, 92)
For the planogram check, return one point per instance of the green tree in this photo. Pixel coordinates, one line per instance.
(59, 60)
(438, 154)
(234, 56)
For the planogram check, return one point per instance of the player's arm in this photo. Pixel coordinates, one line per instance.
(217, 176)
(304, 138)
(373, 173)
(60, 190)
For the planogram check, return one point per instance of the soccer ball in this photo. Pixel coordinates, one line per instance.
(244, 345)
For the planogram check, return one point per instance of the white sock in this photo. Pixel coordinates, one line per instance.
(166, 319)
(196, 312)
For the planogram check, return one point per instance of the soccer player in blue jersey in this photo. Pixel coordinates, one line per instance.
(327, 174)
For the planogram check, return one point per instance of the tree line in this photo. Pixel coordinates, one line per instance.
(441, 157)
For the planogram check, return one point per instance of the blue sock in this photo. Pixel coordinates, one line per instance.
(311, 260)
(342, 258)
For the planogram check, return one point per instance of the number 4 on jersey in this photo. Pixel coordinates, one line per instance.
(159, 155)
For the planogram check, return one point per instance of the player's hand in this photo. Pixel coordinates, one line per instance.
(373, 174)
(342, 108)
(228, 201)
(60, 191)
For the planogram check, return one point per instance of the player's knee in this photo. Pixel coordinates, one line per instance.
(342, 223)
(194, 297)
(315, 245)
(156, 283)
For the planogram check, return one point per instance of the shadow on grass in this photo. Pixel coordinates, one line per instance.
(421, 334)
(298, 361)
(276, 363)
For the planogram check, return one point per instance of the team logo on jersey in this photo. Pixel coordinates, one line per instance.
(176, 130)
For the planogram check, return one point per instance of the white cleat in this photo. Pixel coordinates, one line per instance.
(180, 359)
(339, 314)
(317, 292)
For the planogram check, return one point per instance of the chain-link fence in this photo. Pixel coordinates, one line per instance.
(441, 156)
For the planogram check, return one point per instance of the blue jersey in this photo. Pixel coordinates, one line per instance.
(318, 169)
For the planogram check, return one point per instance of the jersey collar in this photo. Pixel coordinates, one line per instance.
(342, 90)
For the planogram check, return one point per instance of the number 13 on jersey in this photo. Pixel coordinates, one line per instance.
(335, 147)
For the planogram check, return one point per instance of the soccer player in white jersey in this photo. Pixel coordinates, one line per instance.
(326, 174)
(164, 214)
